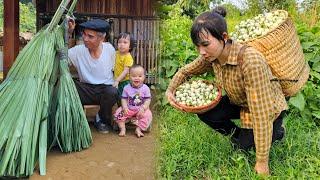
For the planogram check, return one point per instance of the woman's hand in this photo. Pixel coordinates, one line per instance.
(172, 100)
(262, 167)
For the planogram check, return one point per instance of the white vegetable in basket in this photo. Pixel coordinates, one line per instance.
(258, 26)
(196, 93)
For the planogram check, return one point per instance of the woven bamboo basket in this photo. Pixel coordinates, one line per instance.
(205, 108)
(283, 52)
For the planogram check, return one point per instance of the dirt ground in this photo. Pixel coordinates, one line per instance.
(109, 157)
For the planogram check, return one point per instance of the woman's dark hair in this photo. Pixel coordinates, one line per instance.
(132, 40)
(212, 22)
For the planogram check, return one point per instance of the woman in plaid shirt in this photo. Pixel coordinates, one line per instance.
(251, 92)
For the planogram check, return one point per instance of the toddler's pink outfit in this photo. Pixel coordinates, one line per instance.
(143, 122)
(135, 99)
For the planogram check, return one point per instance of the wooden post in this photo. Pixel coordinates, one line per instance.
(11, 33)
(41, 6)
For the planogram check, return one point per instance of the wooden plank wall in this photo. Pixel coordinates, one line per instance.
(146, 34)
(137, 8)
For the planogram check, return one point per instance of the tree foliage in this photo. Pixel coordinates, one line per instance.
(27, 17)
(279, 4)
(191, 8)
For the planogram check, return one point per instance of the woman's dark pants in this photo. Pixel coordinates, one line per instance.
(220, 119)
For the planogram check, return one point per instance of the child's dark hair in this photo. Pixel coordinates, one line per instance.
(212, 22)
(137, 66)
(132, 40)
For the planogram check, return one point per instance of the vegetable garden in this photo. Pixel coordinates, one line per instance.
(189, 149)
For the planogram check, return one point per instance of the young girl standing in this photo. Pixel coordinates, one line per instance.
(123, 62)
(135, 101)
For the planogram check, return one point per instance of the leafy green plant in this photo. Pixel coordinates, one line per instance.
(27, 17)
(279, 4)
(177, 48)
(307, 102)
(190, 8)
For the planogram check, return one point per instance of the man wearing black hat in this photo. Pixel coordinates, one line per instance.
(94, 61)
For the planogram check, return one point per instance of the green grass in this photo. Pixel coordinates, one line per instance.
(188, 149)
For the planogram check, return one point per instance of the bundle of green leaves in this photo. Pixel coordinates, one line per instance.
(26, 98)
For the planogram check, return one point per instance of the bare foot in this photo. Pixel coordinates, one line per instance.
(138, 132)
(122, 132)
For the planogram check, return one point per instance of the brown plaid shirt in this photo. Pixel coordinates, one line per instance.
(247, 85)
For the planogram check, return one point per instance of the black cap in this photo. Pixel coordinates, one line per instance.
(96, 25)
